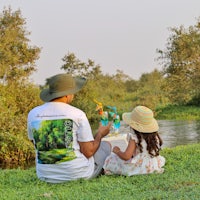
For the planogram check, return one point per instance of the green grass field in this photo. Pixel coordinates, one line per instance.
(180, 181)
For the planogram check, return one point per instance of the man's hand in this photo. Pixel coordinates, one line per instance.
(103, 130)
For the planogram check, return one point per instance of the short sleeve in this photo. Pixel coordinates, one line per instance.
(84, 132)
(132, 136)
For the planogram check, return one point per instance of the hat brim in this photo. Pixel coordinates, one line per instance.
(46, 96)
(150, 128)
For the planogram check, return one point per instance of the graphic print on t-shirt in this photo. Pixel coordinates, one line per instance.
(53, 140)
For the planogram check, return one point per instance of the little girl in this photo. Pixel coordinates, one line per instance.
(142, 153)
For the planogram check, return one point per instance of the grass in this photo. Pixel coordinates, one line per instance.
(181, 180)
(178, 113)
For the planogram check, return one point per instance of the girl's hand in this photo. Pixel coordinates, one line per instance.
(116, 149)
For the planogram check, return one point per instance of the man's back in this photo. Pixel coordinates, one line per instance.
(56, 128)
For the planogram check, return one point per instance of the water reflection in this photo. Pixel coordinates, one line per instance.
(175, 132)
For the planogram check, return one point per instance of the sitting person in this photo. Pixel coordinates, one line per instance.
(65, 147)
(144, 143)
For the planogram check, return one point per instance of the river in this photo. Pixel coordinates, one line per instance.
(173, 132)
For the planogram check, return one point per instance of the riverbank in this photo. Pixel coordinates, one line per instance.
(179, 181)
(178, 112)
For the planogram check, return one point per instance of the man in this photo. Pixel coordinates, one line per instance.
(65, 147)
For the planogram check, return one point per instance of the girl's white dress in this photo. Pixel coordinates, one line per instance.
(140, 163)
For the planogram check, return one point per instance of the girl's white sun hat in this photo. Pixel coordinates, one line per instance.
(141, 119)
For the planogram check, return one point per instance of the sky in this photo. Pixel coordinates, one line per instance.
(115, 34)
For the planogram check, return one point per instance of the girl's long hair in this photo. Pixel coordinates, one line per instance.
(153, 140)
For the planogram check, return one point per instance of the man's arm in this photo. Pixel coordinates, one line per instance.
(89, 148)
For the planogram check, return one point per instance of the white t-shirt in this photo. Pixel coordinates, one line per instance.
(55, 128)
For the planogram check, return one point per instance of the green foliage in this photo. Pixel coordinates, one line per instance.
(195, 100)
(15, 149)
(181, 64)
(150, 90)
(18, 96)
(17, 57)
(179, 181)
(78, 68)
(49, 135)
(53, 140)
(131, 85)
(178, 112)
(14, 107)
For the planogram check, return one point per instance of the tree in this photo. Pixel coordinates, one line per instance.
(150, 90)
(181, 64)
(131, 85)
(17, 57)
(78, 68)
(18, 95)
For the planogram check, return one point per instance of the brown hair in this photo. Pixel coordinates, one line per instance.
(153, 140)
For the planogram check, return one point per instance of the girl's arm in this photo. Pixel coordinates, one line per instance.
(128, 153)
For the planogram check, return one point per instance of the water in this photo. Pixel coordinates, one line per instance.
(175, 132)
